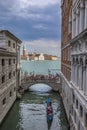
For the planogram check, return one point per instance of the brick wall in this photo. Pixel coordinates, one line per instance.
(66, 36)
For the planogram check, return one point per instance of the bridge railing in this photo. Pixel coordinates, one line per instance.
(41, 78)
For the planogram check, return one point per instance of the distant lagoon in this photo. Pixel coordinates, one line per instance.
(41, 67)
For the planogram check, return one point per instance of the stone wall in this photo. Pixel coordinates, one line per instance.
(9, 70)
(8, 83)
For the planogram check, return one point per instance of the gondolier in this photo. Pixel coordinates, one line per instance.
(48, 101)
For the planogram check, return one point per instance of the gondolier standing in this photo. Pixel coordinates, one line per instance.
(48, 101)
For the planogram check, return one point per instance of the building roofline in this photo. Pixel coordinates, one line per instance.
(81, 35)
(76, 38)
(10, 34)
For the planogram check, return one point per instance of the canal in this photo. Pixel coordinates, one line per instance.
(29, 113)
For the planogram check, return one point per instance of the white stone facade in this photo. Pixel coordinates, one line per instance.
(79, 81)
(41, 57)
(79, 16)
(9, 61)
(79, 65)
(74, 93)
(66, 95)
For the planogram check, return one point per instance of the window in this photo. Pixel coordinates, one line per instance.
(75, 117)
(10, 94)
(72, 110)
(79, 126)
(14, 61)
(73, 98)
(85, 119)
(9, 61)
(9, 43)
(77, 104)
(3, 78)
(10, 75)
(81, 111)
(14, 89)
(3, 62)
(14, 73)
(4, 101)
(13, 45)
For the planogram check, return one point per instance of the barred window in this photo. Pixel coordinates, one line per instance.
(9, 43)
(10, 75)
(3, 78)
(13, 45)
(4, 101)
(3, 62)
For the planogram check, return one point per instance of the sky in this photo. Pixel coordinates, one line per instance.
(36, 22)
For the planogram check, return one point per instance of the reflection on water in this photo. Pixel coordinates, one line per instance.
(30, 113)
(49, 123)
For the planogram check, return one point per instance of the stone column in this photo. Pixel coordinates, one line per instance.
(82, 80)
(73, 24)
(72, 70)
(85, 14)
(85, 117)
(80, 76)
(76, 75)
(72, 73)
(86, 81)
(81, 25)
(77, 22)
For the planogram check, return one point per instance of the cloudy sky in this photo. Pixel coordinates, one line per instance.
(36, 22)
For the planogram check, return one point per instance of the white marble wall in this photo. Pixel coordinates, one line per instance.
(79, 17)
(4, 39)
(66, 95)
(79, 83)
(9, 86)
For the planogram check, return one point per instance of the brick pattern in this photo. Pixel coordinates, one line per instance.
(66, 36)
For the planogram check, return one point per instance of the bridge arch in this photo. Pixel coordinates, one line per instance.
(53, 83)
(40, 87)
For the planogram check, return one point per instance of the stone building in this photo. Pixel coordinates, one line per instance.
(79, 65)
(65, 54)
(24, 51)
(41, 56)
(74, 90)
(24, 55)
(10, 77)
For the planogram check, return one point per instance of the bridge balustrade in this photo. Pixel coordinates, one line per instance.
(50, 79)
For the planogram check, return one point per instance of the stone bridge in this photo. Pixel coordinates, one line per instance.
(53, 81)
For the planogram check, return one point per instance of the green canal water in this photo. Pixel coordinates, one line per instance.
(41, 67)
(29, 113)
